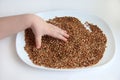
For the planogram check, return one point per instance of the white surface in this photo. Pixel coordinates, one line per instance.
(12, 68)
(83, 17)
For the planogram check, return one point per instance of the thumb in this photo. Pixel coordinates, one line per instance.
(38, 41)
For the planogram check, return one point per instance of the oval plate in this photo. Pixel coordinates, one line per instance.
(83, 17)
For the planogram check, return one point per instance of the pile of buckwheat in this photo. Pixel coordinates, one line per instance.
(84, 47)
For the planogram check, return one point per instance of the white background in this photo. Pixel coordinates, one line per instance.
(12, 68)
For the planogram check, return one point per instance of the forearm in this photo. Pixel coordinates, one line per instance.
(14, 24)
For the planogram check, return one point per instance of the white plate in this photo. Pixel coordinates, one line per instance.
(109, 51)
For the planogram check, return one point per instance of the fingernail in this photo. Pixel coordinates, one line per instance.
(67, 35)
(65, 31)
(65, 40)
(38, 47)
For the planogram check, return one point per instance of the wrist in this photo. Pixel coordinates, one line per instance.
(29, 20)
(33, 20)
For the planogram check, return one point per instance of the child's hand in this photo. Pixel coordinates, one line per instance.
(13, 24)
(40, 28)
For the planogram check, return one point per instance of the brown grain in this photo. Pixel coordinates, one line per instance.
(84, 48)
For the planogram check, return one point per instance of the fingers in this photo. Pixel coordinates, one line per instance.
(38, 42)
(63, 33)
(58, 33)
(61, 37)
(52, 31)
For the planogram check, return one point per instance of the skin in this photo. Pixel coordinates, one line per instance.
(14, 24)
